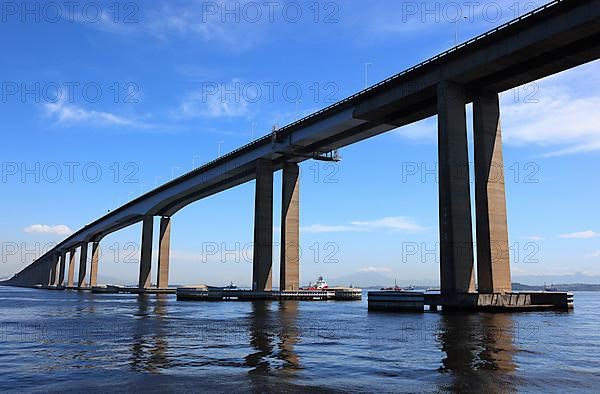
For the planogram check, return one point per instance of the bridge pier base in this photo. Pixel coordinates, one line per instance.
(164, 250)
(262, 261)
(493, 255)
(289, 278)
(456, 233)
(94, 264)
(146, 253)
(83, 253)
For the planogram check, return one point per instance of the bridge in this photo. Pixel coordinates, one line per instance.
(558, 36)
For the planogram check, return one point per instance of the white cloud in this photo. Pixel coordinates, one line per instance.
(534, 238)
(375, 269)
(560, 121)
(72, 114)
(592, 255)
(425, 130)
(59, 229)
(215, 101)
(396, 223)
(393, 223)
(323, 228)
(189, 19)
(214, 254)
(556, 114)
(194, 20)
(582, 234)
(124, 22)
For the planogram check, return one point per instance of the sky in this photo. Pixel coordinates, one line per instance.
(103, 101)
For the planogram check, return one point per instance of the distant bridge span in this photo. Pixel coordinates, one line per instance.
(558, 36)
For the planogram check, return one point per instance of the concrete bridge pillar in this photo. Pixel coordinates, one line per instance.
(71, 276)
(51, 272)
(146, 253)
(42, 274)
(94, 264)
(36, 277)
(493, 255)
(83, 254)
(262, 278)
(289, 278)
(164, 250)
(61, 269)
(46, 274)
(54, 260)
(456, 234)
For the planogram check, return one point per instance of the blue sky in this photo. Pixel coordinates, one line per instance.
(96, 109)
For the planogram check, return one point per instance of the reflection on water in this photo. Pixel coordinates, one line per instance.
(289, 335)
(49, 340)
(149, 344)
(259, 337)
(273, 335)
(473, 343)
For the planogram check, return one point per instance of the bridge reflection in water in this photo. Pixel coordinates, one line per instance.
(271, 330)
(149, 346)
(273, 335)
(469, 343)
(153, 340)
(473, 343)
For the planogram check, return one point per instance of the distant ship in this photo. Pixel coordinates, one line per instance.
(397, 288)
(231, 286)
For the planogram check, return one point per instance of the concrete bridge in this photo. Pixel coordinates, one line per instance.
(556, 37)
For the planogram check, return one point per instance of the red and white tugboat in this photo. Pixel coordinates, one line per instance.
(320, 285)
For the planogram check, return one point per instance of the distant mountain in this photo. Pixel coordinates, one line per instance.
(109, 280)
(362, 279)
(375, 279)
(578, 277)
(575, 282)
(557, 287)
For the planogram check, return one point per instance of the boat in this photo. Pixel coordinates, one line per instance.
(111, 289)
(319, 285)
(395, 288)
(550, 288)
(231, 286)
(398, 288)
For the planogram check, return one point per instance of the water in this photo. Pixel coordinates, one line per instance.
(68, 341)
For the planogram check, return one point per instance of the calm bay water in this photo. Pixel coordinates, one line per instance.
(70, 341)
